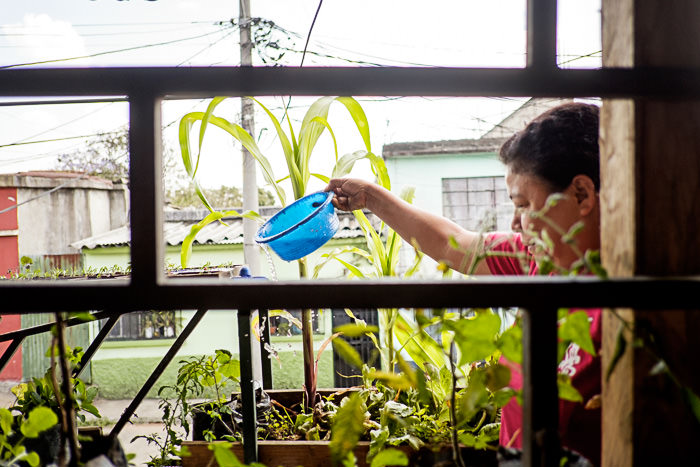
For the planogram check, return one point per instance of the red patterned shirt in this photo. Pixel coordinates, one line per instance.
(579, 428)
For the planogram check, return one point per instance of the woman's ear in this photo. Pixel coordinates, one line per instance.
(585, 193)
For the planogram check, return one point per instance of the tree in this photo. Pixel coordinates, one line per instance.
(106, 155)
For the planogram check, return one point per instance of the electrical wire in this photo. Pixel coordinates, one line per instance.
(46, 193)
(127, 49)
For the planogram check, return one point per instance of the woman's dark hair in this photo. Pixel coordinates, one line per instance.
(556, 146)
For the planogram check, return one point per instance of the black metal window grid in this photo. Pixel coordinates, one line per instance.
(145, 88)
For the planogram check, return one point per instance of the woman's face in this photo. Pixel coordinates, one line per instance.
(529, 194)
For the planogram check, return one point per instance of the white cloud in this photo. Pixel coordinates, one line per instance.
(41, 38)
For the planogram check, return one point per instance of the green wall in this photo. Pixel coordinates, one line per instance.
(425, 173)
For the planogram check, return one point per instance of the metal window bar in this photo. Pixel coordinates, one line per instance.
(145, 87)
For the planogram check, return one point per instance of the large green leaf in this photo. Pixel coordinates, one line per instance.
(186, 250)
(249, 143)
(345, 164)
(576, 327)
(374, 242)
(420, 346)
(334, 256)
(347, 353)
(476, 337)
(39, 419)
(358, 115)
(348, 426)
(355, 330)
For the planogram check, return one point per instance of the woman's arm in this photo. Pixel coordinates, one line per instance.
(431, 233)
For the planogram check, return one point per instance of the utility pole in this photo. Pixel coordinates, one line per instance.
(250, 188)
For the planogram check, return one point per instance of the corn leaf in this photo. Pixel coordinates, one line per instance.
(286, 315)
(345, 164)
(374, 243)
(419, 345)
(395, 380)
(347, 353)
(355, 330)
(333, 256)
(359, 117)
(186, 249)
(249, 143)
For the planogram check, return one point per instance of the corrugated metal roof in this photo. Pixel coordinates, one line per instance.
(215, 233)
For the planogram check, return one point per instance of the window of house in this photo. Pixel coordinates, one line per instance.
(477, 203)
(145, 325)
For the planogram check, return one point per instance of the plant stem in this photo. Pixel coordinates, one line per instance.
(70, 428)
(307, 346)
(456, 452)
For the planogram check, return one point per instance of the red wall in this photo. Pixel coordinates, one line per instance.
(9, 262)
(9, 254)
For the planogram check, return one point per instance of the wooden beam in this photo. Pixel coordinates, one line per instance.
(650, 164)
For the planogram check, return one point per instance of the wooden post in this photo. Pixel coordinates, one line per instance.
(650, 165)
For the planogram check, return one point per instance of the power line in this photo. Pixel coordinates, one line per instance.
(65, 138)
(128, 49)
(46, 193)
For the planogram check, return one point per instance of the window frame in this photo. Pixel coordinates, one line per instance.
(145, 88)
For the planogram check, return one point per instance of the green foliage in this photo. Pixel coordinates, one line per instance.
(297, 148)
(195, 375)
(43, 392)
(348, 426)
(15, 429)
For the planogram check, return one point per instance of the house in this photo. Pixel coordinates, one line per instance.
(41, 214)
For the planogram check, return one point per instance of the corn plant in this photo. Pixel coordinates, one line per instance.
(382, 254)
(297, 149)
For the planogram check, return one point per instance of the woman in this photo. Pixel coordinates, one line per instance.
(557, 153)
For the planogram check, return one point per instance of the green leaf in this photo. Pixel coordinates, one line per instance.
(345, 164)
(347, 353)
(355, 330)
(503, 396)
(348, 426)
(566, 390)
(419, 345)
(692, 400)
(476, 337)
(497, 377)
(474, 397)
(577, 328)
(84, 316)
(223, 454)
(186, 249)
(231, 369)
(490, 432)
(511, 344)
(391, 456)
(39, 419)
(32, 458)
(395, 380)
(5, 421)
(286, 315)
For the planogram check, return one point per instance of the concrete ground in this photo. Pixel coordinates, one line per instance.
(147, 422)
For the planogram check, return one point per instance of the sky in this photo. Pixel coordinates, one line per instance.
(183, 33)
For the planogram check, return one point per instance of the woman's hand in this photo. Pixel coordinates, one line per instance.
(350, 193)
